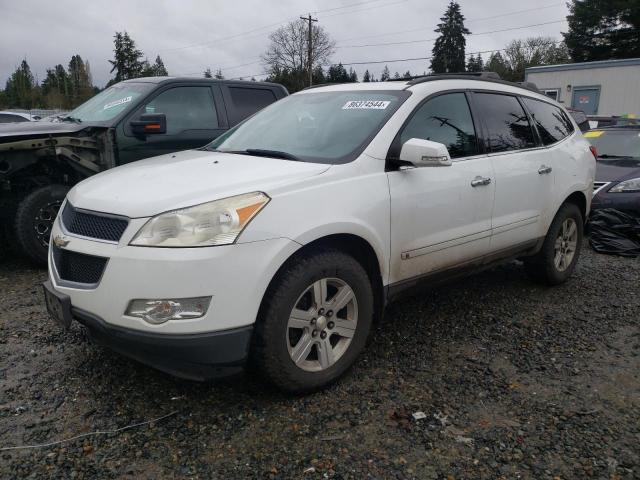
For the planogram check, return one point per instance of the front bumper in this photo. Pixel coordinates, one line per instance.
(628, 202)
(201, 356)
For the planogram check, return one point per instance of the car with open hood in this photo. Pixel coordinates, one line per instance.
(126, 122)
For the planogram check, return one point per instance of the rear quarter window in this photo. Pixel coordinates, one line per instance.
(552, 123)
(247, 101)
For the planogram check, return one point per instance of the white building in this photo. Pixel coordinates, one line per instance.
(607, 87)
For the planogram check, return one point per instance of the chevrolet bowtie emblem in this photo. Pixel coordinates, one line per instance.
(60, 241)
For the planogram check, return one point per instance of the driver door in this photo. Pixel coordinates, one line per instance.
(441, 216)
(192, 121)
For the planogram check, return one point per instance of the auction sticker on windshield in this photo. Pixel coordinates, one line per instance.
(366, 105)
(115, 103)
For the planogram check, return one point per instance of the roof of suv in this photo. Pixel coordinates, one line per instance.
(404, 84)
(159, 80)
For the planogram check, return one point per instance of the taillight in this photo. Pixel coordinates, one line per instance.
(594, 151)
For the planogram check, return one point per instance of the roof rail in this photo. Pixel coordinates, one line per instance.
(482, 76)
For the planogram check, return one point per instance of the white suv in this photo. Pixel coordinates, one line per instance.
(279, 243)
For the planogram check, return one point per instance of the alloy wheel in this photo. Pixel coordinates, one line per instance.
(322, 324)
(566, 245)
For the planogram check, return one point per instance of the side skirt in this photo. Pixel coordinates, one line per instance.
(414, 285)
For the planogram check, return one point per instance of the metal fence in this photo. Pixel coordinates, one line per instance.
(38, 113)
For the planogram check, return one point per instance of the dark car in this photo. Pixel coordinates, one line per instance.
(131, 120)
(617, 182)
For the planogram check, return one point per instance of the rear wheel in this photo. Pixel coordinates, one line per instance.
(557, 258)
(314, 322)
(34, 220)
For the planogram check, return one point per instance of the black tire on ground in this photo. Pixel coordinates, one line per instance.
(542, 266)
(34, 219)
(270, 353)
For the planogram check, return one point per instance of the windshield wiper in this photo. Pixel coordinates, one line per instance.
(259, 152)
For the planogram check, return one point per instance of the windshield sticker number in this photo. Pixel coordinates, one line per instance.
(366, 105)
(115, 103)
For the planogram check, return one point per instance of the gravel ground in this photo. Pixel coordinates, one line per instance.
(515, 381)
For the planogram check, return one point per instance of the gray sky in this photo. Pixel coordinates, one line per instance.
(191, 35)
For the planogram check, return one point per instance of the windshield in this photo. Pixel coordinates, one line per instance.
(615, 143)
(320, 127)
(110, 102)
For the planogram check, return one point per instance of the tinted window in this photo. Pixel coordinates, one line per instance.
(615, 144)
(444, 119)
(551, 122)
(8, 118)
(248, 101)
(186, 108)
(505, 121)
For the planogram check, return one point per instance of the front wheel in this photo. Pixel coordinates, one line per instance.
(314, 321)
(557, 258)
(34, 220)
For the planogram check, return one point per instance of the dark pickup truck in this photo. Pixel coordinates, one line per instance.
(131, 120)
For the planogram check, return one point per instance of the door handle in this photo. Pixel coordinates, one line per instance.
(480, 181)
(543, 170)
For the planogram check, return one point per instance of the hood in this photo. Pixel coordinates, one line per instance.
(617, 169)
(39, 128)
(148, 187)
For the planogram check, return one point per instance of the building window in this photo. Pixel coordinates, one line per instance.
(552, 93)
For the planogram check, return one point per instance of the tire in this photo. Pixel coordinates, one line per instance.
(279, 337)
(34, 220)
(544, 266)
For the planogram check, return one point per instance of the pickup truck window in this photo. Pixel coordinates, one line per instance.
(248, 101)
(186, 108)
(320, 127)
(110, 102)
(444, 119)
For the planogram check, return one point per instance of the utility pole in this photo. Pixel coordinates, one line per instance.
(310, 19)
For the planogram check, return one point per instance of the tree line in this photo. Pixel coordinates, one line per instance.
(597, 31)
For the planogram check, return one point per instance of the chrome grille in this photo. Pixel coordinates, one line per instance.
(92, 224)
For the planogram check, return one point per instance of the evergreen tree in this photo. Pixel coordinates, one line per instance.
(79, 79)
(385, 75)
(396, 76)
(353, 76)
(366, 77)
(601, 30)
(318, 75)
(497, 64)
(474, 64)
(338, 74)
(126, 62)
(219, 75)
(448, 51)
(407, 74)
(207, 73)
(20, 88)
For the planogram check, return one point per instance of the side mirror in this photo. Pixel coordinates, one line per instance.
(149, 124)
(425, 153)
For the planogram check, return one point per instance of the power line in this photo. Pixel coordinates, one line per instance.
(421, 29)
(433, 39)
(258, 29)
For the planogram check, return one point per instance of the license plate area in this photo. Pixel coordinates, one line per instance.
(58, 305)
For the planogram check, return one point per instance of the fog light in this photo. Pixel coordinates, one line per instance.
(161, 311)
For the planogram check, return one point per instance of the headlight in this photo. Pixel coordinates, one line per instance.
(213, 223)
(632, 185)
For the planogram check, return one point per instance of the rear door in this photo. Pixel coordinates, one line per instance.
(523, 173)
(441, 216)
(195, 116)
